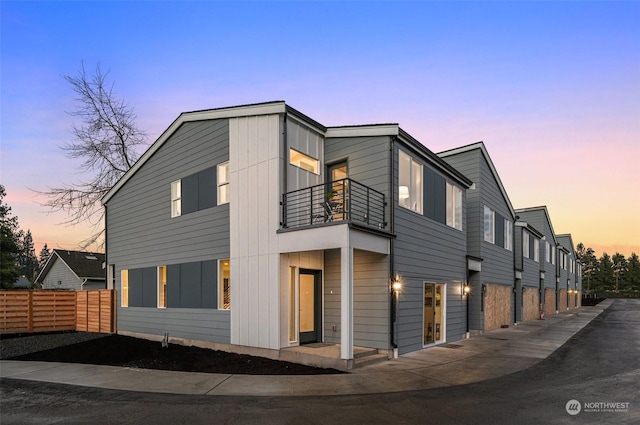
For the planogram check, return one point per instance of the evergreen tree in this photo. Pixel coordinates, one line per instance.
(9, 244)
(27, 260)
(632, 275)
(45, 253)
(619, 269)
(605, 279)
(587, 257)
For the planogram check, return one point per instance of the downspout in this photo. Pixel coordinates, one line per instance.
(394, 295)
(515, 280)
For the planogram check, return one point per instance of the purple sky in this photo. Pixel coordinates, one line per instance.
(552, 88)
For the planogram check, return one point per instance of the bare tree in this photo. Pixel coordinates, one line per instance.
(106, 142)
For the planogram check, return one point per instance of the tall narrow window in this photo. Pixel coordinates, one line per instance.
(536, 250)
(454, 206)
(124, 288)
(223, 183)
(553, 255)
(409, 183)
(508, 235)
(547, 252)
(293, 332)
(162, 287)
(525, 244)
(176, 198)
(489, 225)
(225, 285)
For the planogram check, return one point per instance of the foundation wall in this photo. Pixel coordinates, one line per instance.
(497, 306)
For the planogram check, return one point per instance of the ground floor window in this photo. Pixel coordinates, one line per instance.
(225, 285)
(434, 315)
(124, 288)
(162, 287)
(293, 330)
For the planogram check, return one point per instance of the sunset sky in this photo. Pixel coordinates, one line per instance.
(552, 88)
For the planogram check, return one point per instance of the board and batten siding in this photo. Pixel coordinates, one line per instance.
(256, 187)
(427, 251)
(141, 232)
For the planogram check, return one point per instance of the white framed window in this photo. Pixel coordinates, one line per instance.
(454, 206)
(553, 255)
(525, 244)
(124, 288)
(224, 286)
(304, 161)
(223, 183)
(547, 252)
(536, 250)
(508, 235)
(176, 198)
(162, 287)
(409, 183)
(489, 225)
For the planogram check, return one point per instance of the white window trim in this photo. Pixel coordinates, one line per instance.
(454, 206)
(508, 235)
(176, 198)
(222, 183)
(525, 244)
(415, 195)
(536, 250)
(124, 278)
(221, 286)
(159, 281)
(493, 224)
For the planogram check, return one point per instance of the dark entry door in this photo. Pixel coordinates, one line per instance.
(310, 306)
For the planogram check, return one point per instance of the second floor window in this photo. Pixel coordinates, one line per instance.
(454, 206)
(508, 235)
(176, 198)
(409, 183)
(489, 224)
(223, 183)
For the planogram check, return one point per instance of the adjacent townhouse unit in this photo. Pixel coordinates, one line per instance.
(257, 229)
(490, 239)
(571, 287)
(73, 270)
(529, 282)
(538, 218)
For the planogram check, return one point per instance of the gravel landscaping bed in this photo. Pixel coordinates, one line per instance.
(125, 351)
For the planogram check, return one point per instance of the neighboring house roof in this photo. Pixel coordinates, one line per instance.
(84, 265)
(480, 146)
(22, 282)
(280, 107)
(539, 210)
(566, 241)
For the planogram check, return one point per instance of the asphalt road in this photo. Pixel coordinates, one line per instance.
(600, 364)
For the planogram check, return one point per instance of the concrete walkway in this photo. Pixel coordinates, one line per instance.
(493, 354)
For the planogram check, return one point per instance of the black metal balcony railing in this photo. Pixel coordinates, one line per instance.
(338, 201)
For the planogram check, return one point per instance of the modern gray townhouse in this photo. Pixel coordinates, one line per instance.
(257, 229)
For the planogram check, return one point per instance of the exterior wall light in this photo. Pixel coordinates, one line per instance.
(396, 285)
(466, 289)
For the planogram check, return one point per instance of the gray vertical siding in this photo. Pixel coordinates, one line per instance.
(141, 232)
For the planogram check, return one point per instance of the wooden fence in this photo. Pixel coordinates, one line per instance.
(44, 311)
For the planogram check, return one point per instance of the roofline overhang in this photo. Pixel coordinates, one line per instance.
(480, 145)
(542, 208)
(267, 108)
(434, 159)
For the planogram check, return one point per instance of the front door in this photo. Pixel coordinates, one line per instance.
(434, 313)
(310, 306)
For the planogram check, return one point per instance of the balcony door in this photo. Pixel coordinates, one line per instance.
(337, 190)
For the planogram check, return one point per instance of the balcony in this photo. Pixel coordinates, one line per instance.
(341, 201)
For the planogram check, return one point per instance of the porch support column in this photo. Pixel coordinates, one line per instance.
(346, 303)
